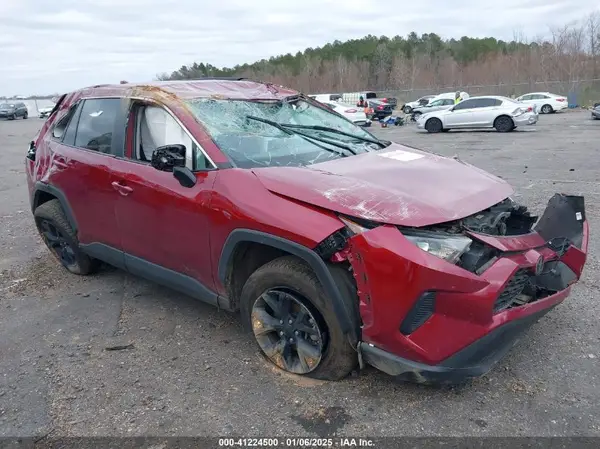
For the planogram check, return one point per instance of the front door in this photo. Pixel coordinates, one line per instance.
(82, 146)
(460, 115)
(164, 225)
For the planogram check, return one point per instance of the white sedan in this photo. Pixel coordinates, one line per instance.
(353, 113)
(502, 113)
(545, 102)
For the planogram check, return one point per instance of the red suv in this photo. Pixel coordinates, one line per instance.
(338, 248)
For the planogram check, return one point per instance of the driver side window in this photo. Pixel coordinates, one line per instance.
(466, 104)
(154, 128)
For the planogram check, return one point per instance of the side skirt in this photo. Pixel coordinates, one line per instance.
(155, 273)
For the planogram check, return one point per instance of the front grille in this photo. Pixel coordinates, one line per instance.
(513, 290)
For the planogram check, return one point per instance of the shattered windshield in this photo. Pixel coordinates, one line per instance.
(278, 133)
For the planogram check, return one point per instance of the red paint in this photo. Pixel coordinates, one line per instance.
(147, 213)
(417, 192)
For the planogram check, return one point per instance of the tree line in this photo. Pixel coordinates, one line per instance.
(568, 54)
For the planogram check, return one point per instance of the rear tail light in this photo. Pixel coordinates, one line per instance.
(529, 109)
(561, 99)
(385, 100)
(380, 108)
(350, 111)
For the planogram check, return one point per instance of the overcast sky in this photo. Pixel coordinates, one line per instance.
(49, 46)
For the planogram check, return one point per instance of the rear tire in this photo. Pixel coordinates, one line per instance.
(434, 125)
(272, 304)
(504, 124)
(546, 109)
(59, 237)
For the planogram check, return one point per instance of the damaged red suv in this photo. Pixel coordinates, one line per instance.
(338, 248)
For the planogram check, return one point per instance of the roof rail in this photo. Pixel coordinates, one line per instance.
(215, 78)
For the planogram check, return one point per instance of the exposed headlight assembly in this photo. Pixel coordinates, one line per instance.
(445, 246)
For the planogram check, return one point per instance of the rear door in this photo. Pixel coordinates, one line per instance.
(485, 111)
(82, 147)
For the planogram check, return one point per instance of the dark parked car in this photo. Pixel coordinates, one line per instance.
(380, 109)
(12, 111)
(596, 111)
(339, 249)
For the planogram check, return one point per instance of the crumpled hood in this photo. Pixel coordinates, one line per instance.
(397, 185)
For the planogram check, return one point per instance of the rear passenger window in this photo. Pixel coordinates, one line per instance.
(96, 124)
(69, 135)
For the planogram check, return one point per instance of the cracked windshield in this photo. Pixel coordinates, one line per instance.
(276, 133)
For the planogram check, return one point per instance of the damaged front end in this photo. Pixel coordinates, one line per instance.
(445, 302)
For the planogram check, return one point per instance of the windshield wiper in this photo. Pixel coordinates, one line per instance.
(306, 137)
(336, 131)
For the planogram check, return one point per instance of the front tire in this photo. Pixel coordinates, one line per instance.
(407, 109)
(546, 109)
(59, 237)
(504, 124)
(434, 125)
(25, 116)
(293, 321)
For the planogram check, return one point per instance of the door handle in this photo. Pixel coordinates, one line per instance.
(123, 190)
(61, 163)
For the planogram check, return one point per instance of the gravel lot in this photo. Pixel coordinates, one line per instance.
(193, 371)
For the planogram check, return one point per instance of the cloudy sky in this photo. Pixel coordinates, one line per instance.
(49, 46)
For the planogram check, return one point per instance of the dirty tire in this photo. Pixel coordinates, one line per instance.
(337, 358)
(50, 215)
(546, 109)
(504, 124)
(434, 125)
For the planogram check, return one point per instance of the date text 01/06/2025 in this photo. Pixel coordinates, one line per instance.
(295, 442)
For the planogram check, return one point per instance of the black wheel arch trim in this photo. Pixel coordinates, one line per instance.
(323, 273)
(59, 195)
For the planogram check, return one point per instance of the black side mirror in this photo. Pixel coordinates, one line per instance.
(167, 157)
(185, 176)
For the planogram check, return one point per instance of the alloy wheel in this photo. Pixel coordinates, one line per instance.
(57, 243)
(287, 331)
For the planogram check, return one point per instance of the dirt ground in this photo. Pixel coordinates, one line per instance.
(191, 370)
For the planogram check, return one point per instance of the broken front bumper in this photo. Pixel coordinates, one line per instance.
(461, 323)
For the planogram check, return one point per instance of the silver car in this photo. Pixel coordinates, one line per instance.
(435, 105)
(502, 113)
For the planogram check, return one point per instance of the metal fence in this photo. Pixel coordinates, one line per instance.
(581, 93)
